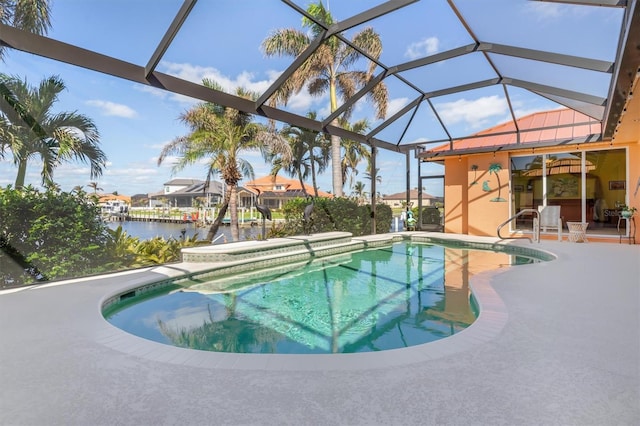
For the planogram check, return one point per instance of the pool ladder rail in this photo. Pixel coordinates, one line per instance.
(536, 225)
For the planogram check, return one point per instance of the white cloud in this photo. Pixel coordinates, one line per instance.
(157, 146)
(418, 140)
(152, 90)
(474, 113)
(545, 10)
(196, 74)
(134, 171)
(422, 48)
(113, 109)
(299, 103)
(395, 105)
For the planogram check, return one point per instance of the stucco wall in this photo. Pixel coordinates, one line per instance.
(474, 209)
(455, 195)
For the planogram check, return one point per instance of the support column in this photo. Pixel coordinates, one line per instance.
(408, 177)
(374, 176)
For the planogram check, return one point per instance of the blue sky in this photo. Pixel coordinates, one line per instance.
(221, 39)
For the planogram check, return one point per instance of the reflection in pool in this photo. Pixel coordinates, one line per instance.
(401, 295)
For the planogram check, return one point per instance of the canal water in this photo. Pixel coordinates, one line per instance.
(148, 230)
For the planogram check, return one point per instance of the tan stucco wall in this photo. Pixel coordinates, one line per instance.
(455, 195)
(469, 209)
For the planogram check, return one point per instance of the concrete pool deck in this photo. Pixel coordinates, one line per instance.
(559, 344)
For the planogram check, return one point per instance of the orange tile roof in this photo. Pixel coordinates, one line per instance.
(266, 183)
(534, 128)
(110, 197)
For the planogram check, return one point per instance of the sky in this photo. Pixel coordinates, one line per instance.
(221, 40)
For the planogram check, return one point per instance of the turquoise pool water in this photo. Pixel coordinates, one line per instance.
(402, 295)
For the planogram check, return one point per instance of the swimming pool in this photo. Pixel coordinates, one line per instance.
(401, 295)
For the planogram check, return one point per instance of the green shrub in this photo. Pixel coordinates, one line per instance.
(431, 215)
(333, 214)
(50, 235)
(57, 235)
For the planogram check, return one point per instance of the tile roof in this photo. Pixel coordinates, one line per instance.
(266, 183)
(560, 125)
(413, 194)
(183, 181)
(111, 197)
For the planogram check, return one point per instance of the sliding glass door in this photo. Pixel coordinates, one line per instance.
(589, 186)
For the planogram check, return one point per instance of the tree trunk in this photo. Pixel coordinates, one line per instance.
(213, 229)
(336, 166)
(233, 211)
(22, 172)
(304, 188)
(313, 173)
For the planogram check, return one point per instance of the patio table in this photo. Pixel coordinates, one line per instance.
(578, 232)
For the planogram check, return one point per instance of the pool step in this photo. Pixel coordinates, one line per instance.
(260, 248)
(239, 257)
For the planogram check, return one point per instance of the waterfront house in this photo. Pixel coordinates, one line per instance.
(399, 199)
(275, 191)
(114, 207)
(181, 192)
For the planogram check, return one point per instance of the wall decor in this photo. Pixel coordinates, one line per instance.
(617, 185)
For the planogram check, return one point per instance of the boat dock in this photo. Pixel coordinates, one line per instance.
(173, 219)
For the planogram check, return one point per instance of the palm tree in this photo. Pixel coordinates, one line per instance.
(354, 152)
(30, 128)
(95, 187)
(375, 175)
(359, 192)
(28, 15)
(300, 164)
(219, 134)
(329, 68)
(310, 152)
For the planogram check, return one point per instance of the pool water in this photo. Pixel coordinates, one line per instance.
(378, 299)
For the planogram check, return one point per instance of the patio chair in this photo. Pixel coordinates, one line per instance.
(549, 219)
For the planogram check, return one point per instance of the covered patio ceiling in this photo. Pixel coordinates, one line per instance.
(491, 59)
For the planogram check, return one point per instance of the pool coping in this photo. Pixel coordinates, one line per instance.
(491, 320)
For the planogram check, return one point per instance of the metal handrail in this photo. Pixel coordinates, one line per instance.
(536, 227)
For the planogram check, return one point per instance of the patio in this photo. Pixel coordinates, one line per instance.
(564, 351)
